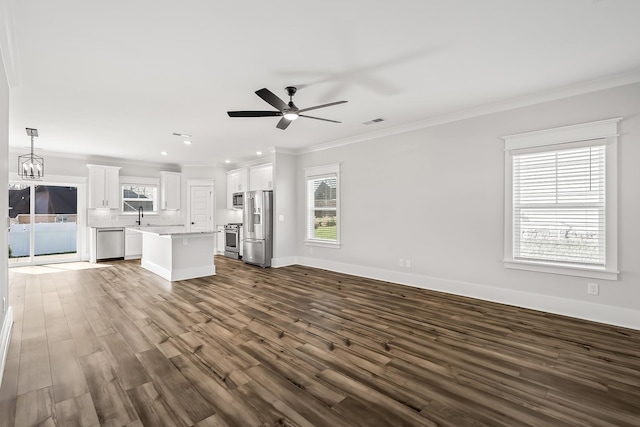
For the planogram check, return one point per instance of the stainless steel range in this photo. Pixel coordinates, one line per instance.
(233, 240)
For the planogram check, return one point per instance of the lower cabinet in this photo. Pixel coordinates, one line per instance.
(220, 239)
(132, 244)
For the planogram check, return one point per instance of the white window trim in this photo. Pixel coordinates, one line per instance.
(319, 171)
(138, 180)
(606, 130)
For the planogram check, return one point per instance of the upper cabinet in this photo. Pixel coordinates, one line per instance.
(237, 181)
(249, 179)
(261, 177)
(170, 190)
(104, 187)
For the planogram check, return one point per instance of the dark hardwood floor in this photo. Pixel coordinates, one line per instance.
(295, 346)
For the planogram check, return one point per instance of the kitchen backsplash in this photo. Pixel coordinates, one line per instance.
(106, 218)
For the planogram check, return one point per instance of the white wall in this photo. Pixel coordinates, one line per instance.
(284, 209)
(435, 196)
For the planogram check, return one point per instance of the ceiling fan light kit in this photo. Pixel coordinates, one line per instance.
(288, 111)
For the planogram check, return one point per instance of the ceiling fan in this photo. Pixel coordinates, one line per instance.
(288, 111)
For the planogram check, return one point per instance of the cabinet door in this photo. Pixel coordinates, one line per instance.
(220, 239)
(104, 187)
(133, 245)
(267, 178)
(261, 178)
(96, 188)
(171, 191)
(112, 188)
(243, 178)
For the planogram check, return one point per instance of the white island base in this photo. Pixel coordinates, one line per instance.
(178, 255)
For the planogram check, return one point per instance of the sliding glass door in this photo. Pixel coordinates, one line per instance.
(19, 223)
(43, 223)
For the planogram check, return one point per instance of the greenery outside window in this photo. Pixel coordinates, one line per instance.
(323, 205)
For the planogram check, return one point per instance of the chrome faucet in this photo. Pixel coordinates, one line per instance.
(140, 215)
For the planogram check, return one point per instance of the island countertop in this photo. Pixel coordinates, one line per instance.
(179, 231)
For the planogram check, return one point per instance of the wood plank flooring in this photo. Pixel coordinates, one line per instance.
(295, 346)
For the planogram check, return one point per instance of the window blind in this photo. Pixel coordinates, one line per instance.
(322, 207)
(559, 206)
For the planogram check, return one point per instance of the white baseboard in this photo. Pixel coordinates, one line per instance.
(618, 316)
(284, 261)
(5, 338)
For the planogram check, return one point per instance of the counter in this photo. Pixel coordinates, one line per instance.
(174, 253)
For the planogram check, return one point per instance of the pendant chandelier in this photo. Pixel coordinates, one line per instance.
(31, 166)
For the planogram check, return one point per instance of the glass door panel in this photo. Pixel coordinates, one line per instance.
(19, 223)
(55, 222)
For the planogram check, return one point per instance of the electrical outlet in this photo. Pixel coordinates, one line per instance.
(310, 250)
(593, 289)
(4, 304)
(401, 263)
(407, 263)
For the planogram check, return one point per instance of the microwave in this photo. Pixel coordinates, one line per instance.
(237, 200)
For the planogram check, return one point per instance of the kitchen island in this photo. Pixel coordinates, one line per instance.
(174, 253)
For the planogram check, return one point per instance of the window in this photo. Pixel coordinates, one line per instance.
(561, 200)
(323, 205)
(139, 193)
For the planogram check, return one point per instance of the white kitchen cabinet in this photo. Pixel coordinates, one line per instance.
(132, 244)
(220, 239)
(170, 190)
(261, 177)
(237, 181)
(104, 187)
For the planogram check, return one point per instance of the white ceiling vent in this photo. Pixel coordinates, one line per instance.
(370, 122)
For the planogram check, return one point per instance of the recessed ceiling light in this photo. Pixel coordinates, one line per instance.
(182, 135)
(259, 153)
(164, 153)
(187, 142)
(227, 161)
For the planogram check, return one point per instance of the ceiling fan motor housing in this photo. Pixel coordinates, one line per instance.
(291, 90)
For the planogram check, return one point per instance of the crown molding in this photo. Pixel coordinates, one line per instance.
(283, 150)
(495, 107)
(102, 159)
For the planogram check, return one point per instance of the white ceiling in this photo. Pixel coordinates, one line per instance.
(116, 78)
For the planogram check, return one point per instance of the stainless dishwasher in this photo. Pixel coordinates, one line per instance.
(109, 243)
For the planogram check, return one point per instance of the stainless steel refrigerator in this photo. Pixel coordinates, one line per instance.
(257, 242)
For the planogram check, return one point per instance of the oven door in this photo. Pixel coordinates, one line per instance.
(231, 240)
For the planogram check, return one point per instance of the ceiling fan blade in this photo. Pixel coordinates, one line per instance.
(283, 123)
(272, 99)
(317, 118)
(321, 106)
(253, 113)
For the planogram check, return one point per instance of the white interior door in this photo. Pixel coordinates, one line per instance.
(201, 208)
